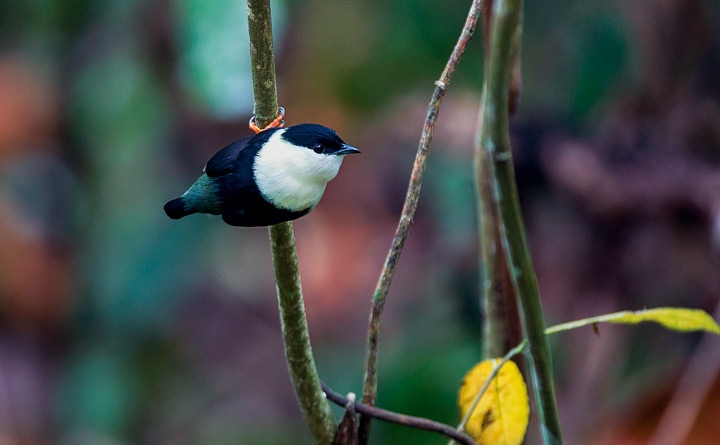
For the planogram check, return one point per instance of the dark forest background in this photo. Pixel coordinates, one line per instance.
(120, 326)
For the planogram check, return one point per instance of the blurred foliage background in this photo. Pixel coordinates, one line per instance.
(120, 326)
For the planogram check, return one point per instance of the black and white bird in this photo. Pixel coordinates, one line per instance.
(274, 176)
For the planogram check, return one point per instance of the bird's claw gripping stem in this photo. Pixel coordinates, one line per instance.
(277, 123)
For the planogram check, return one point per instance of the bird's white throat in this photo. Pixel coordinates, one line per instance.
(292, 177)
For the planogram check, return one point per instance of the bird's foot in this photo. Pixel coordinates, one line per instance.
(277, 123)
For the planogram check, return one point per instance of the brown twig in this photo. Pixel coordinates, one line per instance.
(408, 212)
(346, 433)
(399, 419)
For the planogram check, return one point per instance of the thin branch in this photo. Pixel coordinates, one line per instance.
(400, 419)
(315, 408)
(408, 212)
(262, 59)
(504, 47)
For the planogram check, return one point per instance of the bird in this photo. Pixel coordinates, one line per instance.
(274, 176)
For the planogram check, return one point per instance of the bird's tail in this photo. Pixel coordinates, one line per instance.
(175, 209)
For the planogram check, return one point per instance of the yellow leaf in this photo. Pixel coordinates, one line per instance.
(501, 416)
(677, 319)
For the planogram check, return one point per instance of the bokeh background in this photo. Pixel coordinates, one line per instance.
(120, 326)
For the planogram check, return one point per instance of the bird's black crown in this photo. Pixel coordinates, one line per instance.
(316, 137)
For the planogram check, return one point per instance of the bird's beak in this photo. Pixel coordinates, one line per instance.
(347, 150)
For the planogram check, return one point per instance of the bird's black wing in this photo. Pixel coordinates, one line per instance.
(224, 160)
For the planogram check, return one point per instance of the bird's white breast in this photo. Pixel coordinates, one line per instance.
(291, 177)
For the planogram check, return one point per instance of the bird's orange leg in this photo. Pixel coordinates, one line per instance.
(277, 123)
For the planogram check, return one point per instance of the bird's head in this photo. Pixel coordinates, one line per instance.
(295, 163)
(321, 140)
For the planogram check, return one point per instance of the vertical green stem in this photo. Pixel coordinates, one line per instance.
(262, 59)
(315, 407)
(495, 139)
(494, 282)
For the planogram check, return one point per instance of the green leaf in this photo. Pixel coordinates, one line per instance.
(677, 319)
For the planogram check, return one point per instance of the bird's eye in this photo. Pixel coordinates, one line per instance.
(318, 148)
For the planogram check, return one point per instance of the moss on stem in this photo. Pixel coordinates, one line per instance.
(315, 407)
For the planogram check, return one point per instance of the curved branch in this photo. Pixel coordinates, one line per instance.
(399, 419)
(408, 212)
